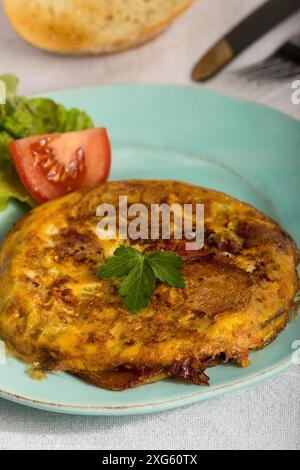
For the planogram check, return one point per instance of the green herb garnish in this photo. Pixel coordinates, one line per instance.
(140, 272)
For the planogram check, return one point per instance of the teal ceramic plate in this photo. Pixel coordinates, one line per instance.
(188, 134)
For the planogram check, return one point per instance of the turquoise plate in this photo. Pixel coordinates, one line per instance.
(187, 134)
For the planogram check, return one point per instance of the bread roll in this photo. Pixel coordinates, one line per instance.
(91, 26)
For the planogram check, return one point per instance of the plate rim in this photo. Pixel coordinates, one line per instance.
(191, 87)
(150, 407)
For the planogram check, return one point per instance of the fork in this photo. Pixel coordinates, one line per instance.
(282, 65)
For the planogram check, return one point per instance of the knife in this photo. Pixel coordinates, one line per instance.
(246, 33)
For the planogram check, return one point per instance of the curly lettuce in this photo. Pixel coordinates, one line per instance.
(12, 188)
(21, 117)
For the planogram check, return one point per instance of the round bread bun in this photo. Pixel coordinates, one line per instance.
(91, 26)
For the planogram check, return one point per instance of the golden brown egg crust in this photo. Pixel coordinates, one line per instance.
(56, 314)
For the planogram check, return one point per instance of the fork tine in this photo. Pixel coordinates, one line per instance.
(287, 69)
(254, 68)
(283, 64)
(276, 67)
(293, 73)
(274, 70)
(278, 76)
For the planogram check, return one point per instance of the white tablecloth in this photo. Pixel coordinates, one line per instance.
(265, 416)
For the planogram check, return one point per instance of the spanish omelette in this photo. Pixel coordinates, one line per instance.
(57, 314)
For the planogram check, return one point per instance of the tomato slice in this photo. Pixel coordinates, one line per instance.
(53, 165)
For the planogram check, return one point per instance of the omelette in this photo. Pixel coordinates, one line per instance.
(57, 314)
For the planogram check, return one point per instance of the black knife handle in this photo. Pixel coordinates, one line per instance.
(261, 21)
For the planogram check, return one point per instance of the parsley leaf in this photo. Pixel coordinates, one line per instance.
(166, 265)
(138, 287)
(139, 273)
(121, 263)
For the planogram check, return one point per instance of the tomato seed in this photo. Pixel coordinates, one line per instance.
(80, 154)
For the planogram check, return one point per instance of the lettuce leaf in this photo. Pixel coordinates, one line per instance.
(43, 116)
(11, 83)
(12, 188)
(21, 117)
(5, 139)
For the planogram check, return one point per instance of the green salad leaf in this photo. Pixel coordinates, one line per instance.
(11, 83)
(12, 188)
(5, 139)
(21, 117)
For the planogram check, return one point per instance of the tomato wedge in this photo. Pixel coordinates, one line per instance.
(53, 165)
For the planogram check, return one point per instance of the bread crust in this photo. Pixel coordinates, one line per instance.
(56, 29)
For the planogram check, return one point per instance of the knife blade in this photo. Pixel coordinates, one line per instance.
(242, 36)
